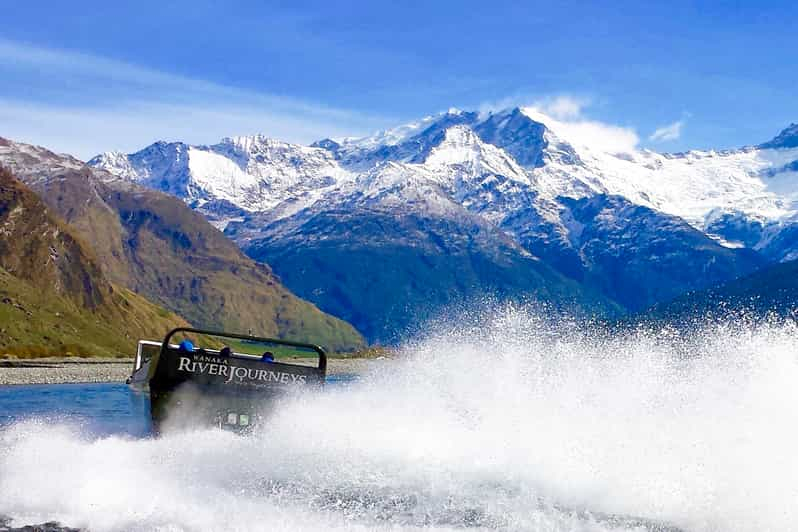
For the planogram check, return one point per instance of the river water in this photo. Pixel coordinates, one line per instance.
(502, 422)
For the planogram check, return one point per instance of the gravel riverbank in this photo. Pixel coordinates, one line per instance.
(60, 371)
(70, 370)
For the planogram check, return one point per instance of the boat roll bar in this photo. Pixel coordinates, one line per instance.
(322, 366)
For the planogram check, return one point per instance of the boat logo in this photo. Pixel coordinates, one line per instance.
(240, 373)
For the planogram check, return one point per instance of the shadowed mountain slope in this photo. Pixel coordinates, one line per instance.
(771, 291)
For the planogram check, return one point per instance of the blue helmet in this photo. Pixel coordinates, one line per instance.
(186, 345)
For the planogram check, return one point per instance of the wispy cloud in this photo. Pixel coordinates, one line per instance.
(567, 115)
(577, 128)
(668, 132)
(84, 104)
(601, 136)
(563, 107)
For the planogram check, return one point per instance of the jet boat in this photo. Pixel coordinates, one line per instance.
(231, 381)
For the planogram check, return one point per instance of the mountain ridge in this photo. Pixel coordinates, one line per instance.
(555, 164)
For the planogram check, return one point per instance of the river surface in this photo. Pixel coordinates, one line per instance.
(504, 423)
(98, 409)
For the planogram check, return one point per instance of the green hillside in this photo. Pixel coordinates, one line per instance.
(54, 298)
(35, 323)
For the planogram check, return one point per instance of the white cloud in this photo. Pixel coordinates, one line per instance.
(84, 104)
(563, 107)
(565, 117)
(668, 132)
(600, 136)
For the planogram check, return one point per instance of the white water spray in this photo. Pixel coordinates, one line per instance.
(506, 424)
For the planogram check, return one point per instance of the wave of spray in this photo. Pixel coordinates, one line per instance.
(503, 421)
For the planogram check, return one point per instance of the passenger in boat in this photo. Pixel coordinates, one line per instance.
(268, 356)
(225, 352)
(186, 346)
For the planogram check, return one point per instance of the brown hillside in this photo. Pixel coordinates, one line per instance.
(36, 248)
(54, 298)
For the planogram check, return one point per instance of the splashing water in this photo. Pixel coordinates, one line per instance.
(511, 423)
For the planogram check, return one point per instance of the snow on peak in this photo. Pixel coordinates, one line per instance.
(408, 143)
(459, 136)
(249, 145)
(462, 151)
(34, 162)
(248, 142)
(116, 163)
(254, 173)
(387, 137)
(399, 187)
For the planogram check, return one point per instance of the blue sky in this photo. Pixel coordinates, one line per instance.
(85, 77)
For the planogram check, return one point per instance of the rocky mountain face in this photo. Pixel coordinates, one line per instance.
(54, 297)
(639, 256)
(35, 247)
(156, 246)
(396, 216)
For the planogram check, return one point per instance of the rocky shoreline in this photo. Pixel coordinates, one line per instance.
(76, 370)
(52, 526)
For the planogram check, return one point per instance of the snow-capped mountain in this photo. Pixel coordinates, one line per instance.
(257, 173)
(615, 218)
(253, 173)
